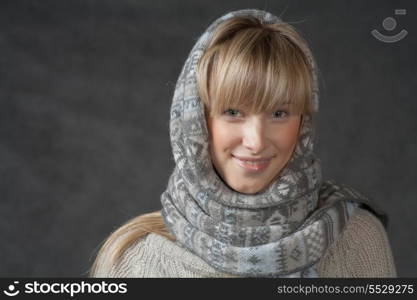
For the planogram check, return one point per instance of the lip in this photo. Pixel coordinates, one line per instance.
(252, 164)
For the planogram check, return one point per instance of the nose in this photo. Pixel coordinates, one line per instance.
(253, 135)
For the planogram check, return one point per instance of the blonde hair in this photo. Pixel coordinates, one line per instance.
(257, 66)
(260, 66)
(119, 240)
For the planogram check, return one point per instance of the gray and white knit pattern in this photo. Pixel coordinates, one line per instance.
(281, 232)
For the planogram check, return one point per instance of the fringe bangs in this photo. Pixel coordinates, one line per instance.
(259, 70)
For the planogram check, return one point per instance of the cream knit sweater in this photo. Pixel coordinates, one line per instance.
(362, 250)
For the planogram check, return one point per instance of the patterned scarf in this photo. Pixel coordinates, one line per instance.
(281, 232)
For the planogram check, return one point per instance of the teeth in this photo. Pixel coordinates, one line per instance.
(253, 163)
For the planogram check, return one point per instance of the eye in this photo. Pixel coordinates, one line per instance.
(232, 112)
(280, 114)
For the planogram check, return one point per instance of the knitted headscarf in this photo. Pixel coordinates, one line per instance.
(282, 231)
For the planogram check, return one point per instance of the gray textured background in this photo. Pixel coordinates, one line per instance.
(85, 89)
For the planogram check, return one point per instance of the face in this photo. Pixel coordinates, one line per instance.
(249, 150)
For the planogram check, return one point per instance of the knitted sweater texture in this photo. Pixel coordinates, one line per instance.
(363, 250)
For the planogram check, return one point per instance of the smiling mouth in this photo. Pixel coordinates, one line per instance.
(252, 164)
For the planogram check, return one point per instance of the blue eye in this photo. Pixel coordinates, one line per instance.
(280, 114)
(231, 112)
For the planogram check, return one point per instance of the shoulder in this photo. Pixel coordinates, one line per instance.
(157, 256)
(362, 250)
(125, 246)
(143, 258)
(108, 266)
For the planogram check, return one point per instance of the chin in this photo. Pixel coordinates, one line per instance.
(247, 189)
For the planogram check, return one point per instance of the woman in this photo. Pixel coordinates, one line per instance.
(246, 197)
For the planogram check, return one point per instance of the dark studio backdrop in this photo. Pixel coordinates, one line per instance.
(85, 91)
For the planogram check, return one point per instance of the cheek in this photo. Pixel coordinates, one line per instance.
(291, 137)
(288, 137)
(223, 138)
